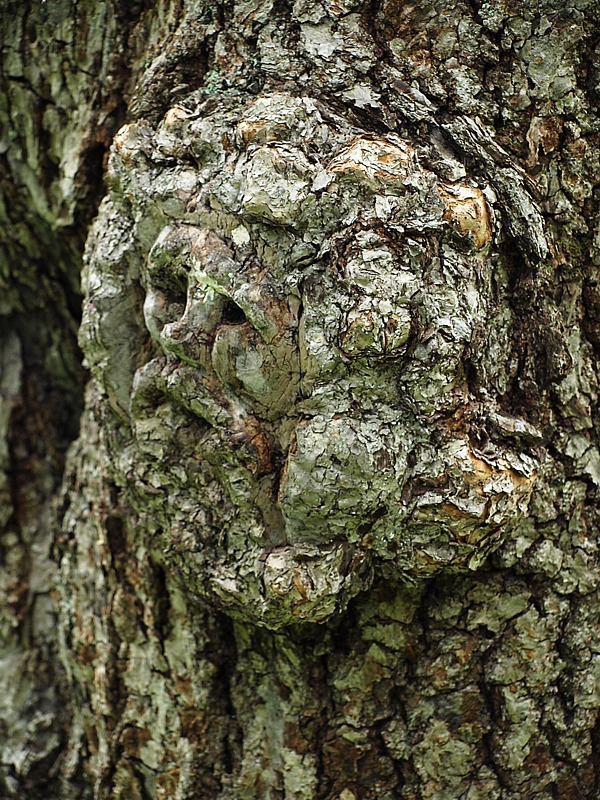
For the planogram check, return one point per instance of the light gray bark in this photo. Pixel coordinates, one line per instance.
(329, 525)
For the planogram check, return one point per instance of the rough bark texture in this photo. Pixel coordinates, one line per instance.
(328, 527)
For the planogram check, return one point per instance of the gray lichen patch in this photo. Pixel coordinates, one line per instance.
(292, 385)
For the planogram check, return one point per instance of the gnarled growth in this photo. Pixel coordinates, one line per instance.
(293, 390)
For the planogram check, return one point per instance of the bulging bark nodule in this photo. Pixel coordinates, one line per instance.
(329, 527)
(293, 391)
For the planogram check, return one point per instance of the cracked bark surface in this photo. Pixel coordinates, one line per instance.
(328, 527)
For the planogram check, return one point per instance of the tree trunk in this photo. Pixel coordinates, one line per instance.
(318, 515)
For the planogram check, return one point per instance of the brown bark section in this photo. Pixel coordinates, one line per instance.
(483, 685)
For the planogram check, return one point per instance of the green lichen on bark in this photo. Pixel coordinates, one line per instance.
(382, 219)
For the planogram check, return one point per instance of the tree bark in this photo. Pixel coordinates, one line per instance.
(317, 514)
